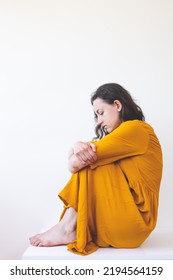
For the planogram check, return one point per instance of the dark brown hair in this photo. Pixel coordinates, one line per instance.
(110, 92)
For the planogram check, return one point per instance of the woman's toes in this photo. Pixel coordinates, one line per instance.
(33, 239)
(36, 242)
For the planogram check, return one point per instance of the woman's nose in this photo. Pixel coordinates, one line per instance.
(100, 120)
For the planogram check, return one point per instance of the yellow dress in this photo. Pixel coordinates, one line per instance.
(116, 198)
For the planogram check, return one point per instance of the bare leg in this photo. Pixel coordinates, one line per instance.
(62, 233)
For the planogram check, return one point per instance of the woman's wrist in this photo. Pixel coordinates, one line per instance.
(81, 155)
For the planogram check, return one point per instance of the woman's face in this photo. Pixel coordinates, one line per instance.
(107, 114)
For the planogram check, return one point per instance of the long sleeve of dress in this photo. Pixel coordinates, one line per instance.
(125, 141)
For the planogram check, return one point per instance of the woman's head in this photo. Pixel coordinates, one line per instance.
(112, 106)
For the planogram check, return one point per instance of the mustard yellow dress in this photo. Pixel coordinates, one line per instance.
(116, 198)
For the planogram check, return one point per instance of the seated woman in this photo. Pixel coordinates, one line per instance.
(112, 196)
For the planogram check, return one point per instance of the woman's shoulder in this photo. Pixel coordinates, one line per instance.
(134, 128)
(133, 124)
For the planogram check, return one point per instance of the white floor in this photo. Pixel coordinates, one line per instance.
(158, 246)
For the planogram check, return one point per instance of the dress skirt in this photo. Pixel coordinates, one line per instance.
(111, 211)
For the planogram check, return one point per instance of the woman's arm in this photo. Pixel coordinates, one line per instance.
(131, 138)
(81, 155)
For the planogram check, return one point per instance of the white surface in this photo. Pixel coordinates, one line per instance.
(158, 246)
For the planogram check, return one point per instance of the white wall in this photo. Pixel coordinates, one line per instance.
(53, 54)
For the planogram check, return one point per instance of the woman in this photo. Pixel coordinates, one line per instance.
(112, 196)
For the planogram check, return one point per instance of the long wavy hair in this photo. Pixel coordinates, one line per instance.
(110, 92)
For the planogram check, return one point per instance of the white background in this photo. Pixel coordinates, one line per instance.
(53, 55)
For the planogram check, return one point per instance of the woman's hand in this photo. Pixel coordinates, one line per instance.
(81, 155)
(85, 152)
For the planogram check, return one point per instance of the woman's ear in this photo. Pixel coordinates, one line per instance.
(118, 105)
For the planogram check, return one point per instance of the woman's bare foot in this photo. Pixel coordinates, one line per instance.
(62, 233)
(53, 237)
